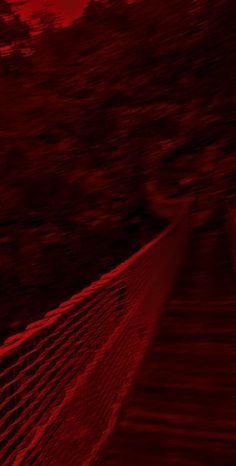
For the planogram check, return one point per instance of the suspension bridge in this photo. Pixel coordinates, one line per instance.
(139, 368)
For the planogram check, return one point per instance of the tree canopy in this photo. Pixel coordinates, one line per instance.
(105, 119)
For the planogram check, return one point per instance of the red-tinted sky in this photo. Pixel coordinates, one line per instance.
(68, 9)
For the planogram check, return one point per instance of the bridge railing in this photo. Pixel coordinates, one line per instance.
(62, 380)
(231, 227)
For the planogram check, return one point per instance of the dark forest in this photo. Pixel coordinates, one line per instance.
(105, 125)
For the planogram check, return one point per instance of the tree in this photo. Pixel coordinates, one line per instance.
(12, 28)
(94, 12)
(115, 4)
(14, 40)
(45, 20)
(117, 7)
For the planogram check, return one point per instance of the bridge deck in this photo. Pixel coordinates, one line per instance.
(182, 408)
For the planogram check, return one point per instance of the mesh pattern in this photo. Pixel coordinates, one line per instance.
(231, 227)
(63, 379)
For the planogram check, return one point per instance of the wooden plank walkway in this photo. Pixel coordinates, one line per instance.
(182, 408)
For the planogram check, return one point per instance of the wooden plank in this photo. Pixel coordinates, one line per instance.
(182, 408)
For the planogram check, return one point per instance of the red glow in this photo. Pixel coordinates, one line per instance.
(68, 10)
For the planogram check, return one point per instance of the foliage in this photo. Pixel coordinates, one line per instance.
(106, 119)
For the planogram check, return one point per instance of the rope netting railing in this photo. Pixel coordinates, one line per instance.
(231, 226)
(63, 379)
